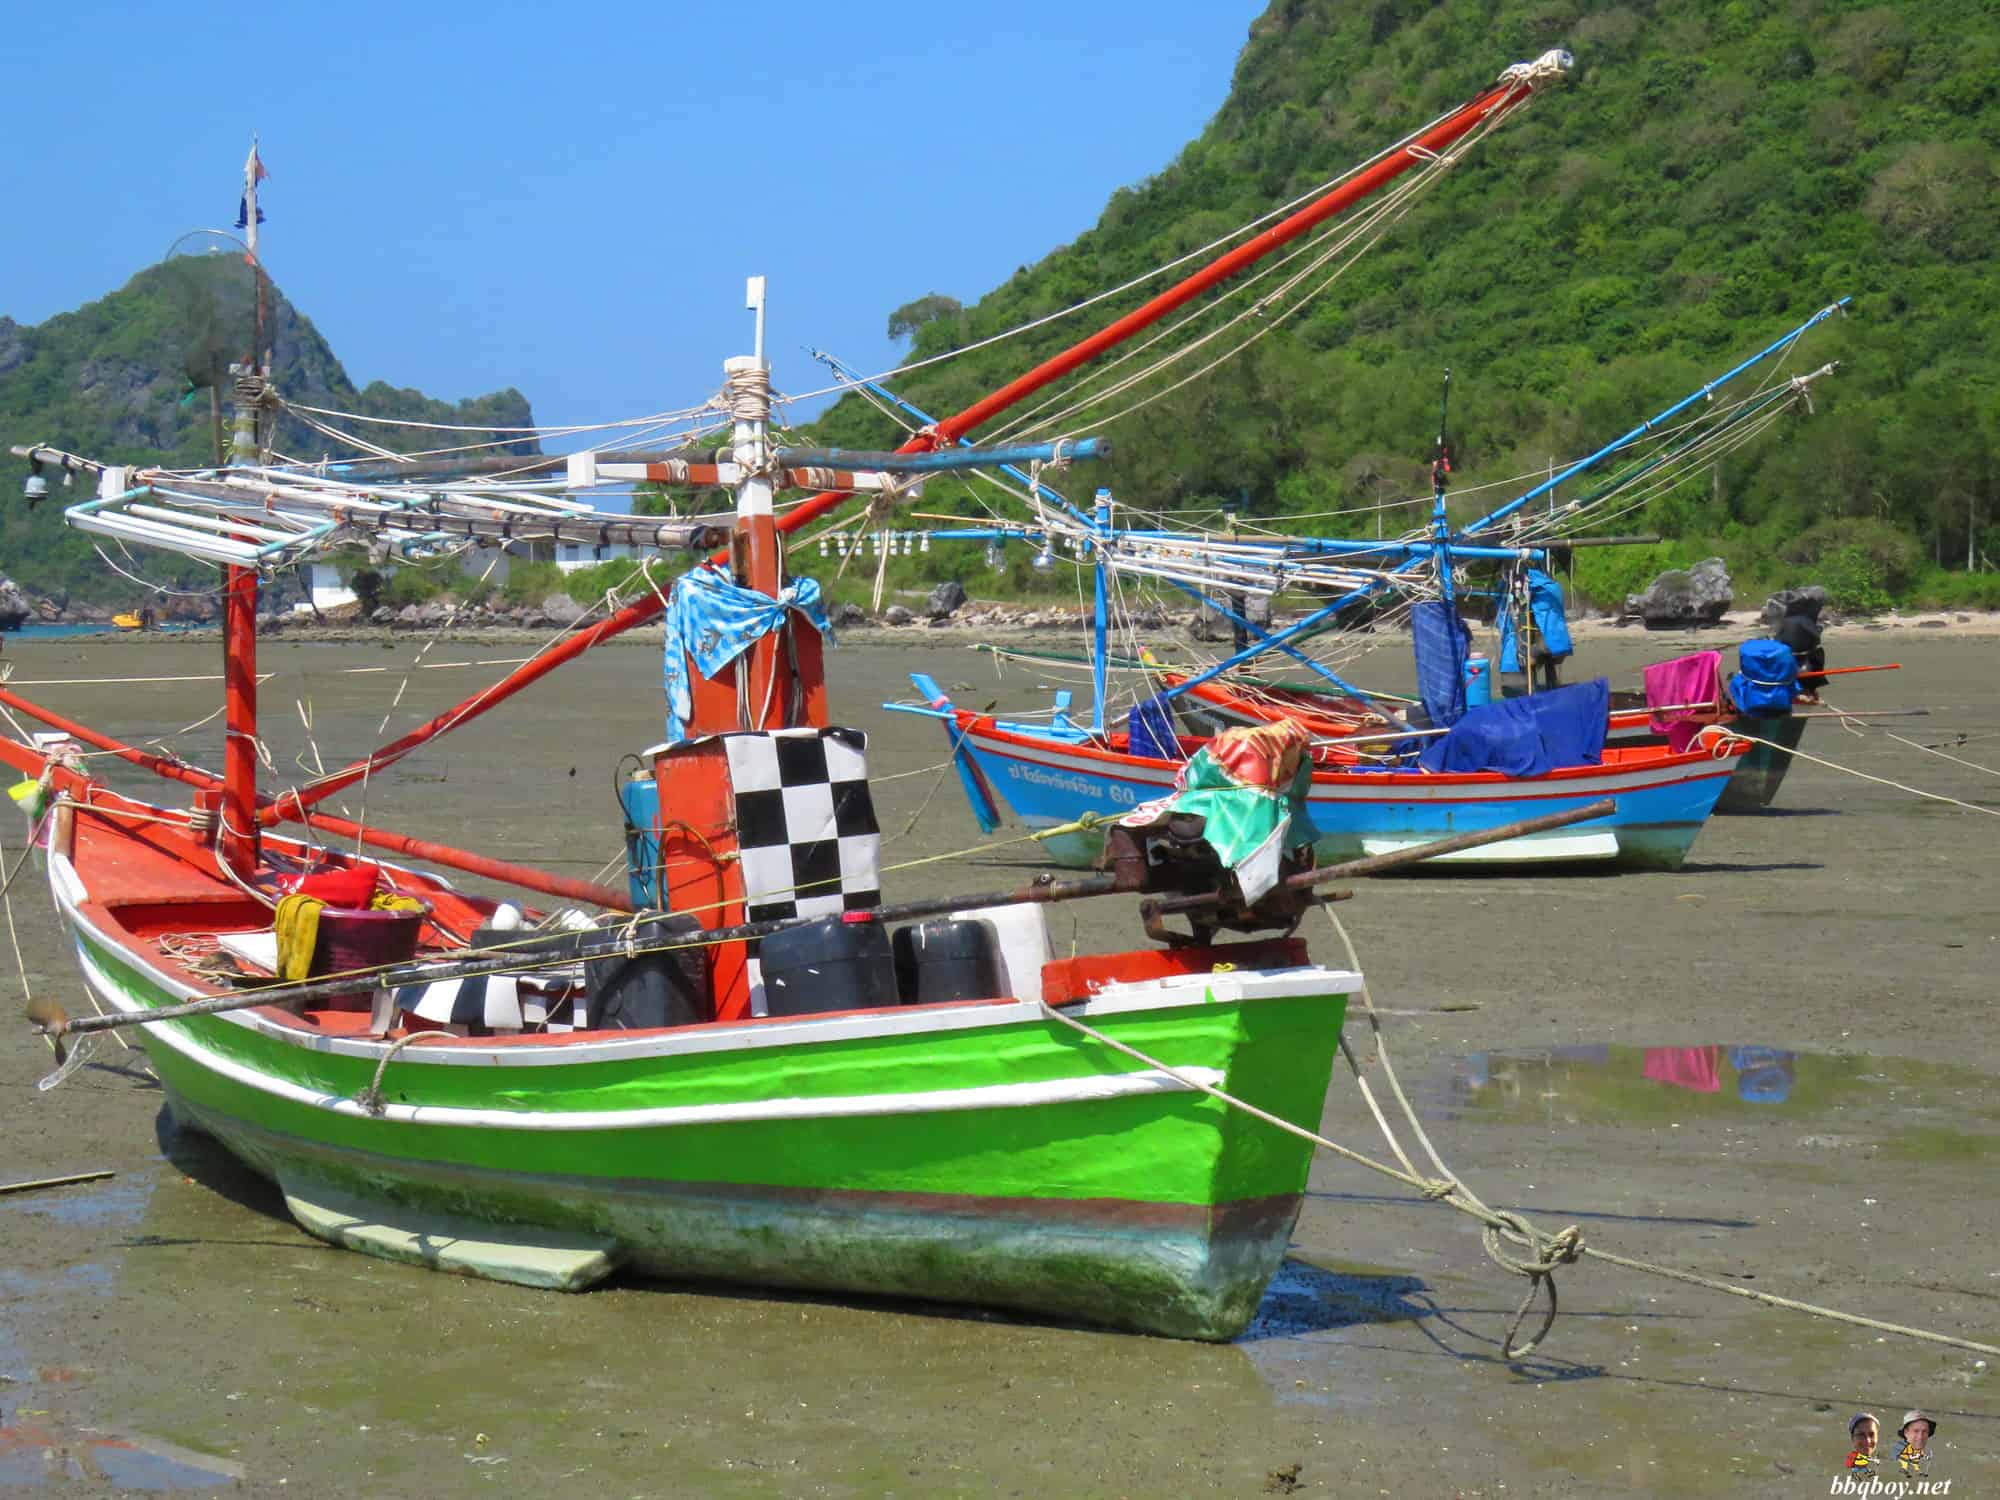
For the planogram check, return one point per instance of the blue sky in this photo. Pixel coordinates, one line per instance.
(567, 199)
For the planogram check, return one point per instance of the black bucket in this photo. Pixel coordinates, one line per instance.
(830, 964)
(948, 960)
(650, 989)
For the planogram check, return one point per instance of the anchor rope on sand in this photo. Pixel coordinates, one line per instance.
(1834, 765)
(1546, 1253)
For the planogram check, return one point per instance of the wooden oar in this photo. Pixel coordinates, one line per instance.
(542, 952)
(1867, 713)
(50, 1182)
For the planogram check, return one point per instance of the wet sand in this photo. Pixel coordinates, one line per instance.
(176, 1307)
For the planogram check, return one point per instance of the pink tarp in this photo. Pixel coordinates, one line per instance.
(1696, 1068)
(1685, 680)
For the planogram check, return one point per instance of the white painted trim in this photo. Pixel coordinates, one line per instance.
(1545, 847)
(1168, 994)
(845, 1106)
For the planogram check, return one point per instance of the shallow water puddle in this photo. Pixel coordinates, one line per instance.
(38, 1452)
(1612, 1085)
(40, 1444)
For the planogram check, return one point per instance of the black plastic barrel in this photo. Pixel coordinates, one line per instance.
(667, 988)
(947, 960)
(830, 964)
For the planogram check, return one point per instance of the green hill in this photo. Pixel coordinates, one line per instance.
(127, 379)
(1712, 173)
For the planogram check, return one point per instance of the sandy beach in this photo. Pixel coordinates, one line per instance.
(1773, 1066)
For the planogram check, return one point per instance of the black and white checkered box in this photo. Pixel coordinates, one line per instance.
(806, 833)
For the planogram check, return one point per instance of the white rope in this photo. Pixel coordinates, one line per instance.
(1729, 734)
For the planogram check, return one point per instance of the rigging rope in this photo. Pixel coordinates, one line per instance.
(1546, 1253)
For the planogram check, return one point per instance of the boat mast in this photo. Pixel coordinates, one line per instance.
(1440, 473)
(1100, 535)
(237, 839)
(746, 386)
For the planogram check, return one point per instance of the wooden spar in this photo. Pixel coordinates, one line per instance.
(159, 765)
(1393, 163)
(639, 612)
(293, 802)
(526, 877)
(1385, 169)
(1377, 864)
(568, 948)
(1570, 544)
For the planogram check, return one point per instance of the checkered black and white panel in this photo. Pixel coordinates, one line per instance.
(805, 827)
(497, 1002)
(805, 824)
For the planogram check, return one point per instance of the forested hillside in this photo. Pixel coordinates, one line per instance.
(128, 378)
(1713, 172)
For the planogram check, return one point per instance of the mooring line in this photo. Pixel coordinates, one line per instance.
(1546, 1252)
(1834, 765)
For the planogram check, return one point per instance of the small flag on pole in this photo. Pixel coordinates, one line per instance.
(253, 173)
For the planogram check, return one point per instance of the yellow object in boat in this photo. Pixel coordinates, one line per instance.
(128, 622)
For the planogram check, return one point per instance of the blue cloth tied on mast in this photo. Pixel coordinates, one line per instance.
(1551, 622)
(712, 620)
(1442, 642)
(1527, 736)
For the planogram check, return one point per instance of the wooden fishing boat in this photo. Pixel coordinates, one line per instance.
(1753, 782)
(653, 1087)
(854, 1139)
(1760, 770)
(947, 1151)
(1663, 799)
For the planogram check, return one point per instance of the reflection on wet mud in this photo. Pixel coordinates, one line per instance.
(1304, 1299)
(1610, 1085)
(42, 1444)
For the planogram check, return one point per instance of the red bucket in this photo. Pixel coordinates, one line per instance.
(358, 938)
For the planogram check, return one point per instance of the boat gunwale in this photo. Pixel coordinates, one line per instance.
(1655, 771)
(757, 1033)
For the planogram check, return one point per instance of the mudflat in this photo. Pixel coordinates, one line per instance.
(1775, 1066)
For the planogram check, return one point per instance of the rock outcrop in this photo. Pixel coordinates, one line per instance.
(1774, 607)
(946, 600)
(1685, 599)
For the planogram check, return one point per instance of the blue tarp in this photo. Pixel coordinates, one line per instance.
(711, 620)
(1545, 609)
(1150, 727)
(1769, 680)
(1442, 643)
(1527, 736)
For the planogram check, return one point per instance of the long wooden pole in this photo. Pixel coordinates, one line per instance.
(543, 952)
(527, 877)
(1437, 138)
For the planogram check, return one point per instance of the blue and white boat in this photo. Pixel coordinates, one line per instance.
(1663, 799)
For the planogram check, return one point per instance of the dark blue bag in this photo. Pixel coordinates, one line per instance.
(1150, 729)
(1769, 679)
